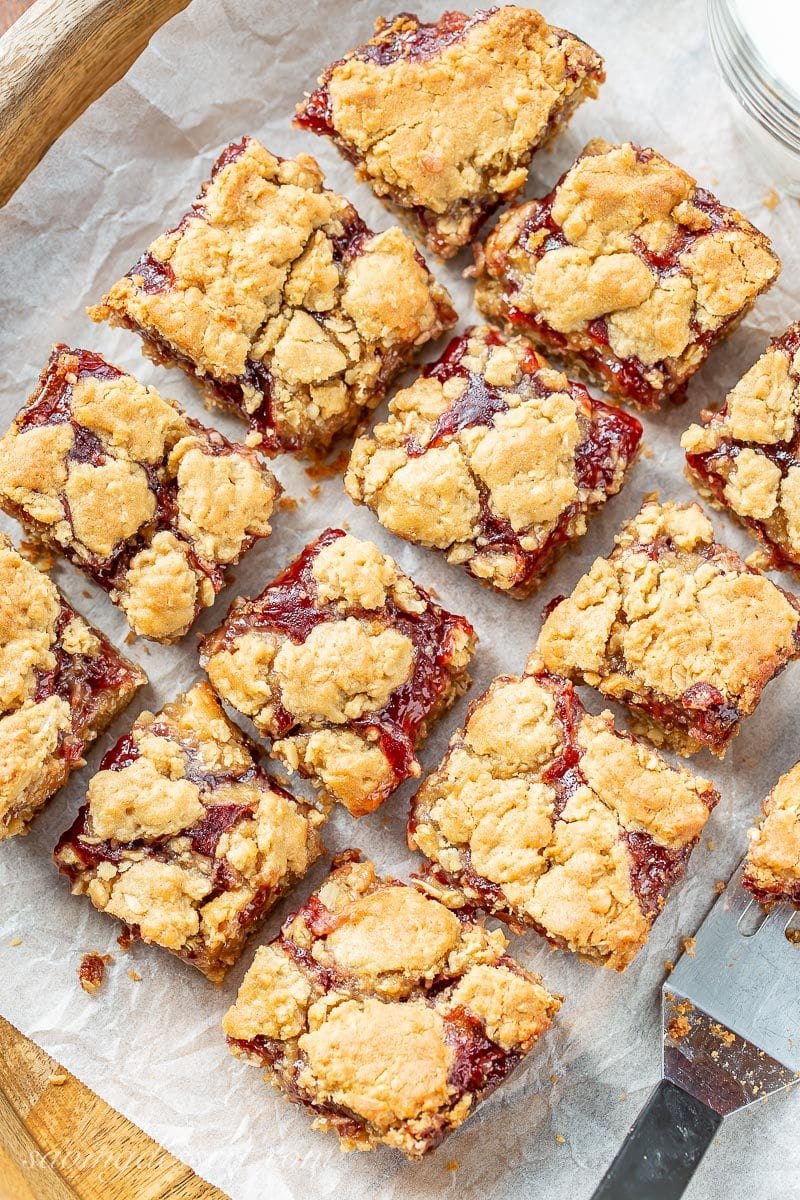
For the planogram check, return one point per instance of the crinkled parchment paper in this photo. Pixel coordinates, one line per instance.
(154, 1049)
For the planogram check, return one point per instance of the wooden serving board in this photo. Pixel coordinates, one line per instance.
(58, 1140)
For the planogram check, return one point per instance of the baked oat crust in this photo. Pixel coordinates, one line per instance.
(772, 867)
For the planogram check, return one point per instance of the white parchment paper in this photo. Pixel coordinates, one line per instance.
(154, 1049)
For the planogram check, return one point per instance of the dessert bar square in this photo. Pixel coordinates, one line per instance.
(185, 838)
(345, 663)
(676, 626)
(493, 457)
(746, 458)
(386, 1014)
(61, 684)
(548, 817)
(627, 270)
(151, 504)
(273, 293)
(442, 120)
(772, 867)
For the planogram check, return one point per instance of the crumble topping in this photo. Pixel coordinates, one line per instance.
(743, 458)
(147, 501)
(343, 662)
(385, 1013)
(494, 457)
(627, 269)
(185, 838)
(675, 625)
(772, 869)
(61, 684)
(548, 817)
(451, 131)
(273, 292)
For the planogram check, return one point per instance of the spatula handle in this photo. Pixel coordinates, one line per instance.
(663, 1148)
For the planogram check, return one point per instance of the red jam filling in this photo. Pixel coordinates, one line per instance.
(288, 608)
(91, 971)
(654, 869)
(479, 1064)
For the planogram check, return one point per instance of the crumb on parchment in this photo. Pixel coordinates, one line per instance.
(92, 971)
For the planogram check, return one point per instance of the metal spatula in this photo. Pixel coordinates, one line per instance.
(731, 1011)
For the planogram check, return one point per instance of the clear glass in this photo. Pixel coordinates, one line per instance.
(755, 43)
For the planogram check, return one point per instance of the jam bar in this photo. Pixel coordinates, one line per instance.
(676, 626)
(185, 837)
(772, 867)
(746, 458)
(547, 817)
(151, 504)
(61, 685)
(273, 293)
(495, 458)
(442, 120)
(627, 270)
(345, 663)
(386, 1014)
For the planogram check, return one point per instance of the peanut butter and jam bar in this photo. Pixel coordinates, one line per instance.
(442, 120)
(386, 1014)
(274, 294)
(152, 505)
(493, 457)
(772, 868)
(61, 684)
(746, 458)
(345, 663)
(185, 838)
(627, 270)
(549, 818)
(676, 626)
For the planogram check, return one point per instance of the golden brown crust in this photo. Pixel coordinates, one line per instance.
(743, 458)
(596, 292)
(675, 625)
(343, 662)
(150, 503)
(53, 699)
(375, 1005)
(447, 135)
(772, 868)
(493, 457)
(275, 295)
(544, 815)
(184, 838)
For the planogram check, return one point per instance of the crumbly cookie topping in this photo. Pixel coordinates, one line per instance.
(343, 662)
(149, 502)
(677, 626)
(275, 294)
(493, 457)
(743, 458)
(61, 683)
(628, 269)
(185, 838)
(443, 119)
(772, 869)
(384, 1012)
(551, 818)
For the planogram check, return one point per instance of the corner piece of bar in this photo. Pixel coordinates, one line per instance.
(772, 867)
